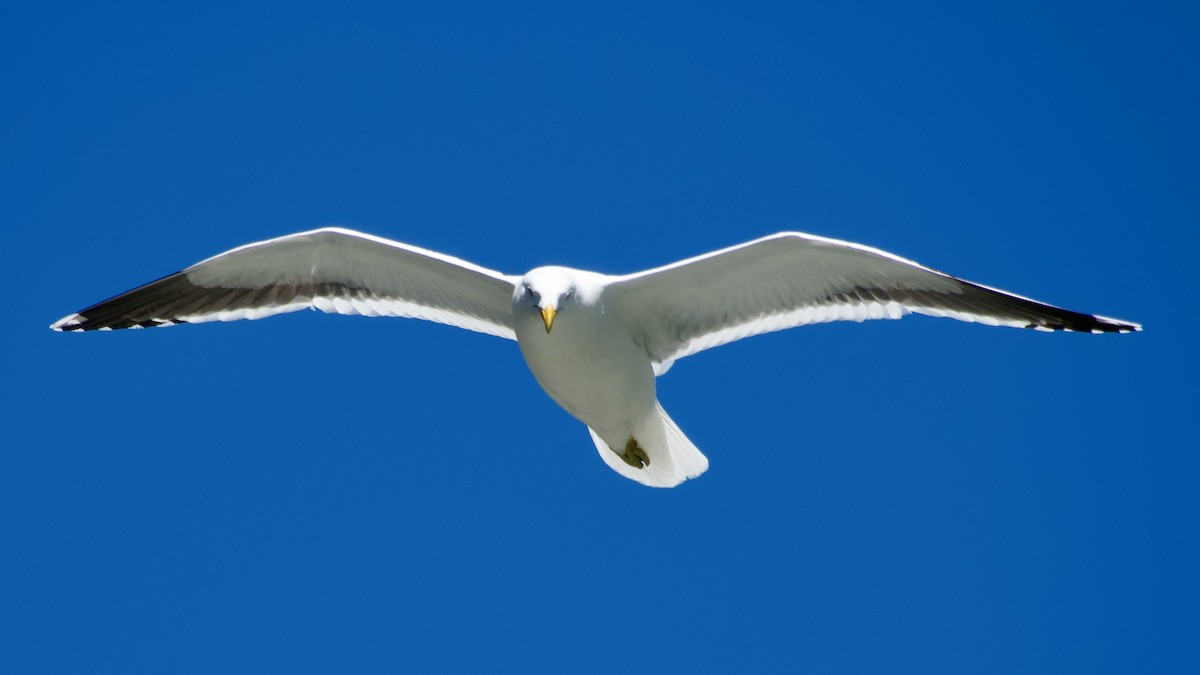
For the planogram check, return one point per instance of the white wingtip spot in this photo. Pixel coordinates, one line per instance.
(1125, 326)
(66, 322)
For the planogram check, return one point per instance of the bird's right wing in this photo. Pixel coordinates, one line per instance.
(790, 279)
(332, 269)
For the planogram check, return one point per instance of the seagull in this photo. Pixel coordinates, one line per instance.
(594, 342)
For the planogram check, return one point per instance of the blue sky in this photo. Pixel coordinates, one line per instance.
(324, 493)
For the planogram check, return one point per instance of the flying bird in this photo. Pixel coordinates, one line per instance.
(594, 342)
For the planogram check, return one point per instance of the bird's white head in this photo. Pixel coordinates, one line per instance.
(549, 290)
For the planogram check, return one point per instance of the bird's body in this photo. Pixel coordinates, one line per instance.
(588, 365)
(595, 343)
(592, 367)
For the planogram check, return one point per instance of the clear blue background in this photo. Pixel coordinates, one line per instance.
(323, 493)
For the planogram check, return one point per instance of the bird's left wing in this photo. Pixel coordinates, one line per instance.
(331, 269)
(790, 279)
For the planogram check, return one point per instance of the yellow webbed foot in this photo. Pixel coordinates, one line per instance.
(634, 455)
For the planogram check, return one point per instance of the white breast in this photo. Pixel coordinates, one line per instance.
(590, 366)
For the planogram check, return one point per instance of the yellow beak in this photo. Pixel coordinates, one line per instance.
(548, 317)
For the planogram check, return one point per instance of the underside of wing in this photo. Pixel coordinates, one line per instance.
(333, 270)
(791, 279)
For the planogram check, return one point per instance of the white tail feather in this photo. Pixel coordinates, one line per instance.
(669, 466)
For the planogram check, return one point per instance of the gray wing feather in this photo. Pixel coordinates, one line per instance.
(332, 269)
(790, 279)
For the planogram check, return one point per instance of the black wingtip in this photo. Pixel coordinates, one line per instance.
(1086, 323)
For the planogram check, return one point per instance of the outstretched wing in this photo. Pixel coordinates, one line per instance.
(790, 279)
(332, 269)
